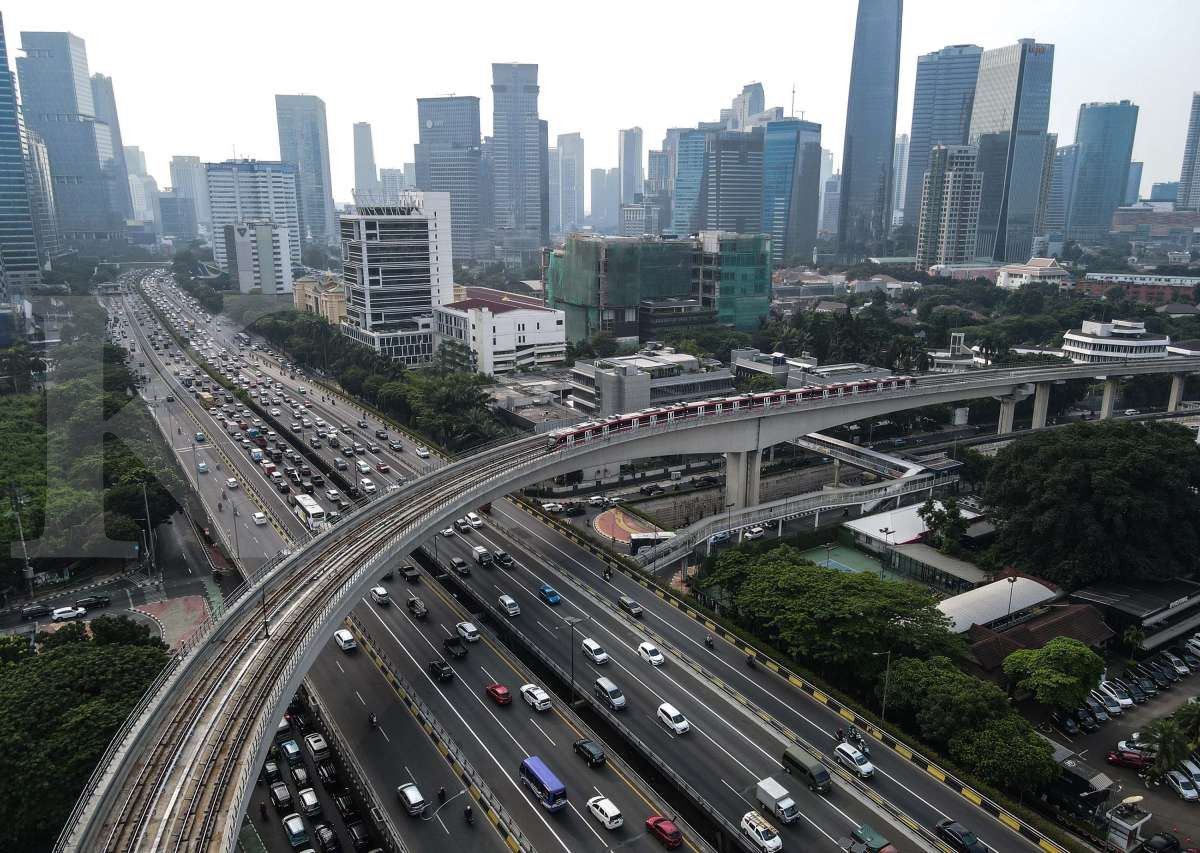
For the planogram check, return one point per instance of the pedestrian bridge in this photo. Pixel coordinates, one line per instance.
(180, 773)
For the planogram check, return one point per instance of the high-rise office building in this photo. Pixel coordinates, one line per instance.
(570, 182)
(304, 142)
(58, 104)
(135, 160)
(670, 148)
(554, 200)
(241, 191)
(447, 161)
(259, 257)
(949, 207)
(629, 153)
(831, 205)
(395, 182)
(1133, 185)
(732, 185)
(1188, 197)
(1064, 175)
(656, 172)
(597, 214)
(518, 162)
(40, 182)
(544, 181)
(750, 103)
(18, 238)
(826, 174)
(942, 102)
(1009, 126)
(899, 177)
(866, 210)
(791, 176)
(366, 179)
(1104, 133)
(143, 189)
(189, 178)
(398, 267)
(1165, 191)
(689, 175)
(105, 99)
(177, 214)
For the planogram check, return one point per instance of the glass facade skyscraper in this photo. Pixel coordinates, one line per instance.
(1063, 179)
(304, 142)
(731, 189)
(689, 173)
(570, 182)
(519, 157)
(448, 161)
(791, 187)
(1188, 197)
(18, 242)
(1009, 125)
(866, 208)
(1104, 133)
(366, 179)
(629, 162)
(942, 101)
(105, 99)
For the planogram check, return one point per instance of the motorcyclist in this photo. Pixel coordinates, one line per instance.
(708, 640)
(442, 794)
(469, 813)
(373, 720)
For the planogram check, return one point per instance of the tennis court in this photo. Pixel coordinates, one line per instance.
(846, 559)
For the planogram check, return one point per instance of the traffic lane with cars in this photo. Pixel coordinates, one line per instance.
(497, 738)
(724, 753)
(396, 752)
(919, 795)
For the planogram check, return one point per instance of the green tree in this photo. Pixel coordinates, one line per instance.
(121, 630)
(1188, 720)
(65, 635)
(14, 649)
(946, 523)
(1007, 753)
(939, 700)
(1170, 744)
(1060, 673)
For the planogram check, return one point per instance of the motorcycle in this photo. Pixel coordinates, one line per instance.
(708, 640)
(373, 721)
(469, 814)
(750, 661)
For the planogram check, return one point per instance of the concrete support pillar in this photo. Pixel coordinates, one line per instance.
(1041, 404)
(837, 472)
(1008, 410)
(1176, 395)
(742, 477)
(1110, 399)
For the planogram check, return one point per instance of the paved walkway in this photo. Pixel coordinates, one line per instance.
(176, 618)
(619, 526)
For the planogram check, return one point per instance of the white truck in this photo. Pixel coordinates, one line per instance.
(482, 555)
(776, 800)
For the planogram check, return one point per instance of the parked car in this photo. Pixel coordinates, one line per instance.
(1065, 723)
(1182, 785)
(1085, 719)
(1127, 758)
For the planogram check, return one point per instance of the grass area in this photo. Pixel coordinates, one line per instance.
(245, 308)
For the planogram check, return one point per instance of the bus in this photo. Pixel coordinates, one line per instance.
(309, 512)
(243, 340)
(538, 778)
(638, 541)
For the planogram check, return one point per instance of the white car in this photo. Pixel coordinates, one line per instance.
(231, 483)
(551, 506)
(596, 500)
(535, 697)
(345, 640)
(381, 596)
(274, 413)
(333, 494)
(650, 654)
(509, 605)
(447, 532)
(367, 485)
(66, 614)
(761, 834)
(605, 810)
(422, 451)
(202, 467)
(752, 533)
(474, 520)
(594, 651)
(670, 717)
(260, 518)
(854, 761)
(1182, 785)
(467, 631)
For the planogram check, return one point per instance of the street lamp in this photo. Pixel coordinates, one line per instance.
(887, 673)
(887, 533)
(1012, 582)
(572, 621)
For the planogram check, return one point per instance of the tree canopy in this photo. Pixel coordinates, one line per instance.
(1060, 673)
(1099, 500)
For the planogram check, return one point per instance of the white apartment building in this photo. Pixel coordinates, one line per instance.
(259, 255)
(500, 332)
(1118, 341)
(252, 191)
(397, 266)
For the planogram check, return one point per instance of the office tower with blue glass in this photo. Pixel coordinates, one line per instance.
(629, 162)
(1133, 184)
(518, 160)
(791, 188)
(864, 220)
(570, 182)
(1188, 195)
(304, 142)
(730, 196)
(18, 239)
(1104, 133)
(448, 161)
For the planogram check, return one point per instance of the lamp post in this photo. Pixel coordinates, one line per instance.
(887, 533)
(887, 673)
(572, 621)
(1012, 582)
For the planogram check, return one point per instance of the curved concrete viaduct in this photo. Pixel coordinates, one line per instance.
(181, 772)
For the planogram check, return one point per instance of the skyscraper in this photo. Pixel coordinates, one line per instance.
(689, 175)
(570, 182)
(189, 179)
(831, 205)
(751, 102)
(366, 179)
(58, 105)
(1188, 197)
(447, 161)
(1133, 185)
(949, 207)
(18, 239)
(865, 215)
(942, 101)
(656, 171)
(826, 174)
(135, 160)
(791, 187)
(1008, 125)
(1064, 176)
(105, 99)
(304, 142)
(241, 191)
(598, 181)
(1104, 133)
(732, 185)
(899, 176)
(393, 182)
(555, 201)
(629, 153)
(518, 161)
(41, 196)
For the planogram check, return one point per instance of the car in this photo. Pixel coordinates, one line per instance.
(409, 573)
(670, 717)
(360, 838)
(1097, 710)
(460, 524)
(447, 532)
(422, 451)
(474, 520)
(665, 830)
(535, 697)
(367, 485)
(310, 804)
(1065, 723)
(327, 773)
(871, 840)
(271, 772)
(383, 467)
(260, 518)
(299, 774)
(594, 651)
(651, 489)
(396, 446)
(1132, 412)
(417, 607)
(719, 537)
(650, 654)
(345, 640)
(1127, 758)
(460, 566)
(498, 693)
(293, 828)
(551, 506)
(284, 487)
(440, 670)
(1111, 705)
(231, 484)
(959, 837)
(596, 500)
(1086, 721)
(381, 596)
(326, 838)
(1182, 785)
(200, 438)
(1132, 744)
(589, 751)
(202, 467)
(761, 834)
(752, 533)
(344, 804)
(333, 494)
(1162, 842)
(549, 594)
(65, 614)
(93, 601)
(35, 611)
(604, 810)
(848, 755)
(503, 557)
(281, 797)
(467, 631)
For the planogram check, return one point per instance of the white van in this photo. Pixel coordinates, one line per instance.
(363, 467)
(594, 651)
(509, 606)
(345, 640)
(608, 693)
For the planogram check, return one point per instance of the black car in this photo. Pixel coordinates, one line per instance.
(271, 772)
(281, 797)
(460, 566)
(410, 573)
(362, 424)
(396, 446)
(589, 751)
(573, 509)
(1162, 842)
(440, 670)
(344, 804)
(455, 647)
(1135, 691)
(1085, 719)
(34, 611)
(1160, 680)
(372, 447)
(959, 837)
(381, 434)
(327, 840)
(327, 773)
(284, 487)
(89, 602)
(1146, 683)
(503, 558)
(318, 480)
(1065, 723)
(348, 452)
(300, 776)
(360, 839)
(1190, 659)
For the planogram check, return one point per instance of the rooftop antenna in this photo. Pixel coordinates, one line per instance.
(793, 99)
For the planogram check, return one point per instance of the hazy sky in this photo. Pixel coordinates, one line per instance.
(200, 78)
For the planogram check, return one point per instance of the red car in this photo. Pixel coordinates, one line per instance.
(665, 830)
(382, 467)
(499, 694)
(1127, 758)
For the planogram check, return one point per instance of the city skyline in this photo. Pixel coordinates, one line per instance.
(1081, 75)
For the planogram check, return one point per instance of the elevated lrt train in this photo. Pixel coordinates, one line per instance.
(782, 398)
